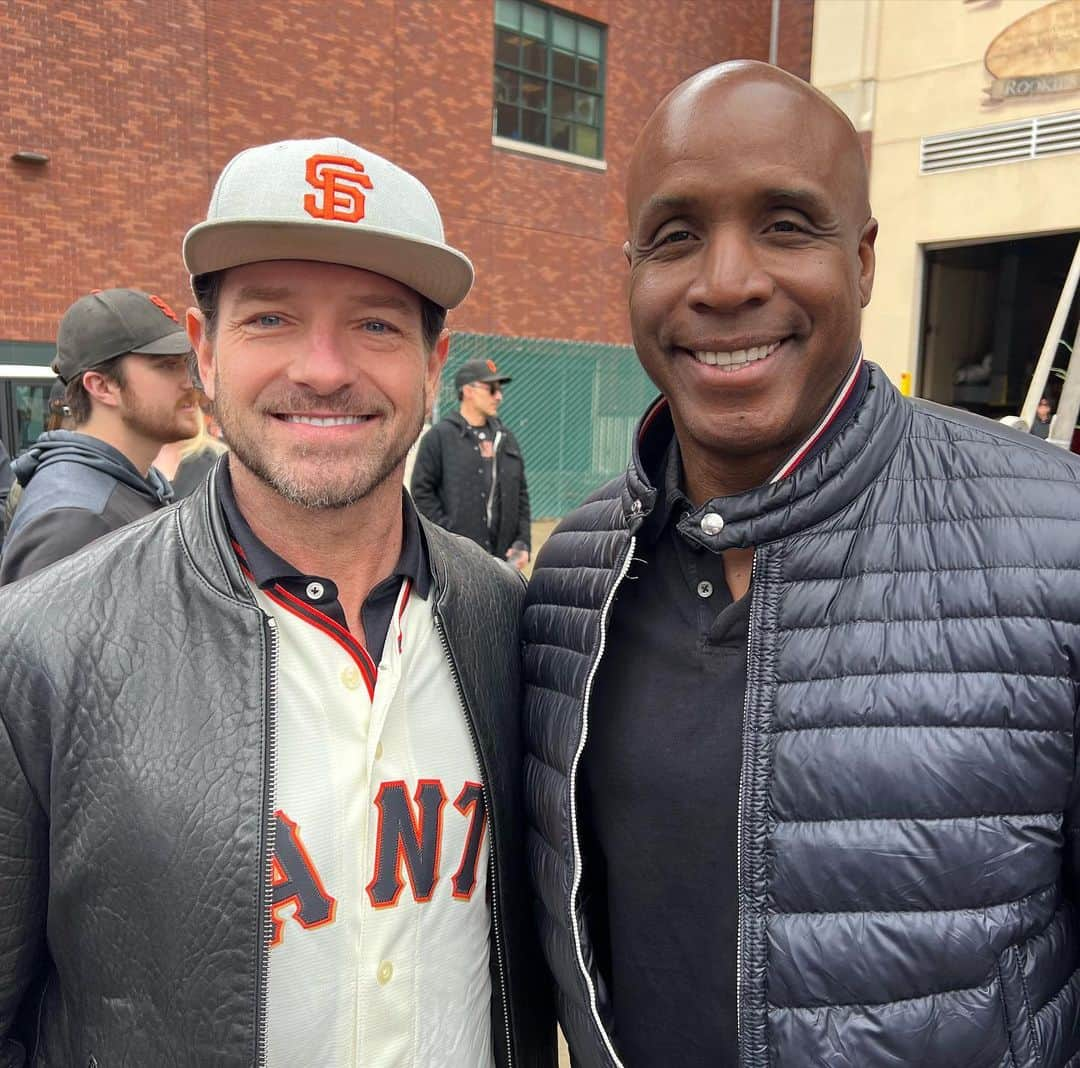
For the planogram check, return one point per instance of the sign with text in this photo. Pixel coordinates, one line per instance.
(1038, 54)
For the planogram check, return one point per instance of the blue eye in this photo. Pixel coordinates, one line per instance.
(268, 320)
(675, 237)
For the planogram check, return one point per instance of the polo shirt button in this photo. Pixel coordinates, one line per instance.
(704, 589)
(315, 591)
(712, 523)
(385, 973)
(378, 751)
(350, 677)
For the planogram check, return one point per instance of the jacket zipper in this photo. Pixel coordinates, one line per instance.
(492, 867)
(494, 476)
(744, 772)
(605, 611)
(266, 887)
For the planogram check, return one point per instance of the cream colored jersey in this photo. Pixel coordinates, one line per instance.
(380, 945)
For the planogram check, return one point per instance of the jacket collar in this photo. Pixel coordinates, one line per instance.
(814, 491)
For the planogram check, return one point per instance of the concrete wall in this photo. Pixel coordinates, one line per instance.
(139, 103)
(921, 66)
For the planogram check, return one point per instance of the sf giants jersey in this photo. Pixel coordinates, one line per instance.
(379, 955)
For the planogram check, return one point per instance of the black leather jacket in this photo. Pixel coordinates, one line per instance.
(909, 818)
(136, 728)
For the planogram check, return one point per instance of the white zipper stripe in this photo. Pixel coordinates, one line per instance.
(604, 611)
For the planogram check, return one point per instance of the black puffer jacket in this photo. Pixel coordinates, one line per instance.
(136, 741)
(449, 487)
(910, 813)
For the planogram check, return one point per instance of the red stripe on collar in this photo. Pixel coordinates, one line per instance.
(826, 421)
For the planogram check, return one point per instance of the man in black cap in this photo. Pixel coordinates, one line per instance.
(470, 475)
(122, 356)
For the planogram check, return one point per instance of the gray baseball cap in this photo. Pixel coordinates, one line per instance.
(330, 201)
(115, 322)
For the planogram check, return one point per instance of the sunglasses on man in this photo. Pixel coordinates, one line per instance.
(491, 387)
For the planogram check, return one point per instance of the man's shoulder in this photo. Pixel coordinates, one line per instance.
(67, 483)
(111, 567)
(459, 561)
(960, 445)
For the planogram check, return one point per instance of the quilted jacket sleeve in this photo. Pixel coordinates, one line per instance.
(427, 477)
(523, 535)
(23, 893)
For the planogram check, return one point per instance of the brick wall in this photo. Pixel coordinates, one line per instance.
(139, 103)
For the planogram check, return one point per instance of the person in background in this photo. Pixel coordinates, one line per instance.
(469, 474)
(1044, 415)
(122, 356)
(187, 463)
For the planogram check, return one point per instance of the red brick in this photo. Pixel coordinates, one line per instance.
(139, 103)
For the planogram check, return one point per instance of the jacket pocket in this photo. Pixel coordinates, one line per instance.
(1016, 1009)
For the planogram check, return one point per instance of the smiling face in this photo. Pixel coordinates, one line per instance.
(751, 257)
(319, 376)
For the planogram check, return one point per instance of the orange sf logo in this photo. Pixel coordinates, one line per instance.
(164, 308)
(339, 180)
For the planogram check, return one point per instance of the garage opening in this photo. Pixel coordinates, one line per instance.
(986, 310)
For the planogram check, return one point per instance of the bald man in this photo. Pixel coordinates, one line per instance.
(802, 684)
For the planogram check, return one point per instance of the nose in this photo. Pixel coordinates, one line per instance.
(729, 272)
(320, 362)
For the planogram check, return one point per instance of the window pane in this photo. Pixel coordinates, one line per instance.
(533, 20)
(562, 103)
(560, 135)
(588, 41)
(586, 141)
(533, 126)
(506, 85)
(507, 48)
(562, 66)
(585, 108)
(508, 13)
(534, 93)
(562, 32)
(506, 121)
(534, 55)
(588, 73)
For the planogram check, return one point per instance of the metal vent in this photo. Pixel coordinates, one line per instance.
(1046, 135)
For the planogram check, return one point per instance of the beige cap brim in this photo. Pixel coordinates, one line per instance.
(435, 271)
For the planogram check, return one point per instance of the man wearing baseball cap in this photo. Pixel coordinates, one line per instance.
(123, 357)
(469, 475)
(261, 786)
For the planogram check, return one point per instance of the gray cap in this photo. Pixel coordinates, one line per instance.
(331, 201)
(114, 322)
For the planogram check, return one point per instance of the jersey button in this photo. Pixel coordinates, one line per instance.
(350, 677)
(378, 751)
(315, 591)
(385, 973)
(704, 589)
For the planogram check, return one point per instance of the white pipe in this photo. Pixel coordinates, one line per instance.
(774, 33)
(1053, 335)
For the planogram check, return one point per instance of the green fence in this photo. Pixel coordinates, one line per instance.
(573, 406)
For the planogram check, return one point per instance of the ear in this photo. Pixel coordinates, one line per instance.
(204, 349)
(867, 260)
(102, 390)
(436, 361)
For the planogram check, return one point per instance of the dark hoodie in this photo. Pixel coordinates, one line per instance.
(75, 489)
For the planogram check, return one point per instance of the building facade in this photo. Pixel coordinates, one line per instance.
(519, 116)
(969, 112)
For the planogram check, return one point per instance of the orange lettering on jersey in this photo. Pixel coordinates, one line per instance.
(338, 180)
(166, 310)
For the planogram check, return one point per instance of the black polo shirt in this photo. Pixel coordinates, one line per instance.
(659, 787)
(268, 569)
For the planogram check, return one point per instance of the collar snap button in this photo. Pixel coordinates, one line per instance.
(314, 591)
(712, 523)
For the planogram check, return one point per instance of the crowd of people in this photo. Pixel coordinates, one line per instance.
(772, 762)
